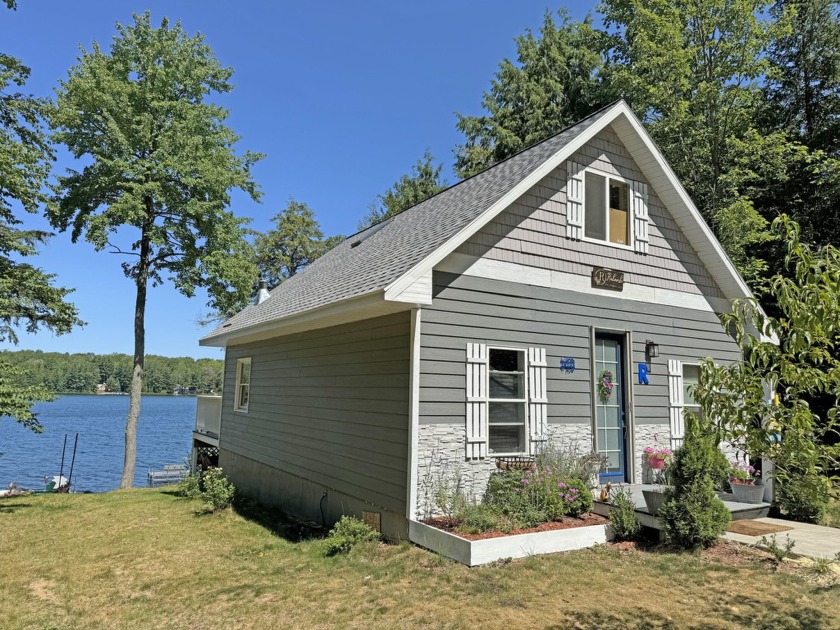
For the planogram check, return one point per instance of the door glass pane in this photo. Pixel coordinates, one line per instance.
(613, 440)
(612, 417)
(595, 211)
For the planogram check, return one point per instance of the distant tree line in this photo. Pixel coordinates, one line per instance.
(81, 373)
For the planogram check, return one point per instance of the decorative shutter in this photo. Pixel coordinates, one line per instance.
(574, 200)
(640, 217)
(676, 401)
(537, 396)
(476, 401)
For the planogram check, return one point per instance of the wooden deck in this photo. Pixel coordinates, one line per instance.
(738, 510)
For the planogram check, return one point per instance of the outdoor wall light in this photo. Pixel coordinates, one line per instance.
(651, 349)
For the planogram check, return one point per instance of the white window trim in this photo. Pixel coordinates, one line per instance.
(237, 407)
(631, 246)
(693, 406)
(523, 401)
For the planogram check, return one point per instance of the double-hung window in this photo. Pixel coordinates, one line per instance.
(507, 401)
(607, 209)
(242, 394)
(691, 378)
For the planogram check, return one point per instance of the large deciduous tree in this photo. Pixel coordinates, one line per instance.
(554, 82)
(159, 167)
(28, 296)
(295, 241)
(424, 181)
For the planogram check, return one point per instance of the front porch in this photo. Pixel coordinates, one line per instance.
(738, 510)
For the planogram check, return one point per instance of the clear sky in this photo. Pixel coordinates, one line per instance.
(342, 97)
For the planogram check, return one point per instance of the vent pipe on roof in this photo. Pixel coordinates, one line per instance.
(263, 294)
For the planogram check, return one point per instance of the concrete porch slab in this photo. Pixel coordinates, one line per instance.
(814, 541)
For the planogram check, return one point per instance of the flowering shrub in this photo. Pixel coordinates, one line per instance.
(554, 495)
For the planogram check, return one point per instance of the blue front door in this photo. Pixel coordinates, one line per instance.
(610, 426)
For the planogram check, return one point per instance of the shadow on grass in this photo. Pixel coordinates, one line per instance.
(7, 507)
(277, 521)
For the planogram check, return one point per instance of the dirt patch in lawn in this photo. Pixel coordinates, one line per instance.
(451, 525)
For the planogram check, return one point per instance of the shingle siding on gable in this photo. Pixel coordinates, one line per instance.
(532, 231)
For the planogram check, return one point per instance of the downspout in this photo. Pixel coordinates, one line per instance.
(413, 415)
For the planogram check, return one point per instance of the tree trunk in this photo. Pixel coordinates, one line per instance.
(139, 355)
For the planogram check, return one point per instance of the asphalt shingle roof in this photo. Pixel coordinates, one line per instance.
(389, 251)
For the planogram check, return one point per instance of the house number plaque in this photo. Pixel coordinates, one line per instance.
(603, 278)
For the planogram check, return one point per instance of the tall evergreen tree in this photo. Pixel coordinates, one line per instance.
(160, 165)
(554, 82)
(295, 241)
(424, 181)
(28, 296)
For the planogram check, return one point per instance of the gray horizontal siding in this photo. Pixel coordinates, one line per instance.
(469, 309)
(532, 231)
(328, 405)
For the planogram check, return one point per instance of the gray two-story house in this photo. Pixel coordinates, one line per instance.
(565, 294)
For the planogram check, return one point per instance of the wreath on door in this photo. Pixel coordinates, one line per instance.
(605, 385)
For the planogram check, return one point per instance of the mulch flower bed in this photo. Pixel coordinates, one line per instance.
(451, 525)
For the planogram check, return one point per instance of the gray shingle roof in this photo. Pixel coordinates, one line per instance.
(392, 250)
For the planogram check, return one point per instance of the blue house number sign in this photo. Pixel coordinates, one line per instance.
(567, 365)
(643, 379)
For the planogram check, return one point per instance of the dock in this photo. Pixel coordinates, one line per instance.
(169, 474)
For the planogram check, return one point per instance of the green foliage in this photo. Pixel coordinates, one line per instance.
(805, 497)
(409, 190)
(504, 490)
(625, 525)
(294, 242)
(553, 83)
(779, 552)
(16, 400)
(538, 493)
(189, 487)
(480, 518)
(692, 515)
(218, 490)
(346, 534)
(569, 462)
(81, 373)
(804, 364)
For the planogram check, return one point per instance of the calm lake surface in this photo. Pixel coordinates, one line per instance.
(164, 436)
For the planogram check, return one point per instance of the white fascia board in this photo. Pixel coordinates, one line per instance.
(699, 233)
(428, 263)
(349, 310)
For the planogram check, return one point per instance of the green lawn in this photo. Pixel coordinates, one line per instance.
(143, 559)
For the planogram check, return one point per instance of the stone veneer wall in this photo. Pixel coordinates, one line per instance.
(441, 460)
(649, 435)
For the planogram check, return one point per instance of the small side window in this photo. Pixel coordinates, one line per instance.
(243, 385)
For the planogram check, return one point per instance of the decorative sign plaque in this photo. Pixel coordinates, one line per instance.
(567, 365)
(603, 278)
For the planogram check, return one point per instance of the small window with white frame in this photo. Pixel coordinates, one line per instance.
(242, 395)
(691, 379)
(507, 402)
(606, 209)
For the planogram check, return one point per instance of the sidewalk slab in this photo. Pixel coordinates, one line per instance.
(814, 541)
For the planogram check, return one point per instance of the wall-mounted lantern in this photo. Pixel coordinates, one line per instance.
(651, 349)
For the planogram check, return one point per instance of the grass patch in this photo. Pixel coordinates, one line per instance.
(143, 559)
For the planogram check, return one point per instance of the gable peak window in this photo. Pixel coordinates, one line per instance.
(607, 209)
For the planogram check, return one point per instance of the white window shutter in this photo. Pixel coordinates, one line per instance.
(640, 217)
(477, 362)
(574, 200)
(676, 402)
(537, 396)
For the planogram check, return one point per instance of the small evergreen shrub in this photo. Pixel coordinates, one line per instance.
(625, 525)
(805, 497)
(347, 533)
(692, 515)
(218, 490)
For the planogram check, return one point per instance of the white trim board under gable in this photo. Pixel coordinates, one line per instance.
(521, 274)
(659, 175)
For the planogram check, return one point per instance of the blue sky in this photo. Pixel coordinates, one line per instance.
(343, 97)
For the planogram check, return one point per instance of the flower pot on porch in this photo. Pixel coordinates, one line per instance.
(747, 493)
(656, 463)
(653, 500)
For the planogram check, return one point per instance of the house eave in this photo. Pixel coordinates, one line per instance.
(352, 309)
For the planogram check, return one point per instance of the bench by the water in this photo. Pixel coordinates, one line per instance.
(170, 474)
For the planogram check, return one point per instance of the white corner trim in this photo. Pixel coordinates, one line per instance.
(418, 292)
(522, 274)
(414, 414)
(429, 262)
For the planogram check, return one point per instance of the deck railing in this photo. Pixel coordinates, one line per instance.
(208, 415)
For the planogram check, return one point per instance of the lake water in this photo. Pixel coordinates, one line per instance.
(164, 436)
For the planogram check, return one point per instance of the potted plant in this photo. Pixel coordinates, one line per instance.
(658, 457)
(745, 482)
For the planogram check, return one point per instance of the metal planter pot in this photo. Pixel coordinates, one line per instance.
(744, 493)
